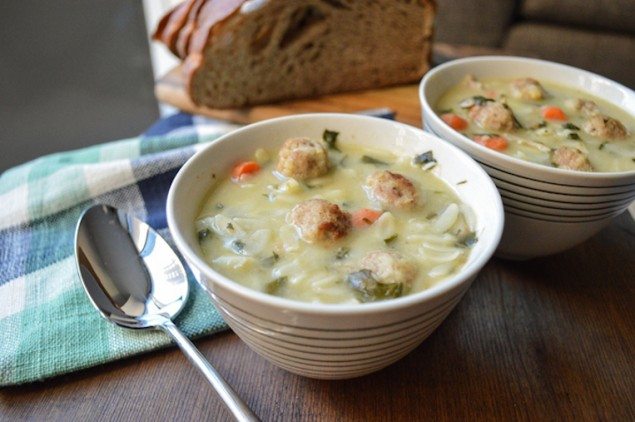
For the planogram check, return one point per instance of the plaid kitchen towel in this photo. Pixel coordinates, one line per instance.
(47, 324)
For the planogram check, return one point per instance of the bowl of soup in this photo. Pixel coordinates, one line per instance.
(333, 244)
(558, 142)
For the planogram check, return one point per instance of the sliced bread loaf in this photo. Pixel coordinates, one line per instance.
(244, 52)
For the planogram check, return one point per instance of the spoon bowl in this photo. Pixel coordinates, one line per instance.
(135, 280)
(130, 273)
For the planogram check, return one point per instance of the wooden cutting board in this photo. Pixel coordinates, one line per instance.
(402, 100)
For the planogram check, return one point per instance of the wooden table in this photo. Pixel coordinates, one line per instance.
(547, 339)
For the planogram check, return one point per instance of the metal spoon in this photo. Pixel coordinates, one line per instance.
(135, 280)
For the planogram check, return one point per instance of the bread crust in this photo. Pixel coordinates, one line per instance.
(190, 22)
(171, 25)
(190, 27)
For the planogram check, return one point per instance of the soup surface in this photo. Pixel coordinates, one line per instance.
(542, 122)
(322, 221)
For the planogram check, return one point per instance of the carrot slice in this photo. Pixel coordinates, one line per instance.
(497, 143)
(365, 217)
(553, 113)
(454, 121)
(244, 169)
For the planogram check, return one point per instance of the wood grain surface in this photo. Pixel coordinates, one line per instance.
(403, 100)
(547, 339)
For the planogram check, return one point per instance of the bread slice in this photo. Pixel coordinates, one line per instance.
(239, 52)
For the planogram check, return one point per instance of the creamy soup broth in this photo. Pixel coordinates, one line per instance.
(246, 233)
(552, 125)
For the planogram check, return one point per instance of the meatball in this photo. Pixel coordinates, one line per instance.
(383, 275)
(302, 158)
(389, 267)
(318, 220)
(587, 107)
(493, 115)
(527, 89)
(391, 190)
(570, 159)
(605, 127)
(470, 81)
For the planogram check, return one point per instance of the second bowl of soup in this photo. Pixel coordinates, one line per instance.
(558, 142)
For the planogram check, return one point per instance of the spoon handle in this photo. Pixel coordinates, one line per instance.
(234, 403)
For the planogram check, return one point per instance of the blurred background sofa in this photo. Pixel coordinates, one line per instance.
(78, 73)
(597, 35)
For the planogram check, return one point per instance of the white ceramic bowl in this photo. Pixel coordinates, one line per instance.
(319, 340)
(547, 210)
